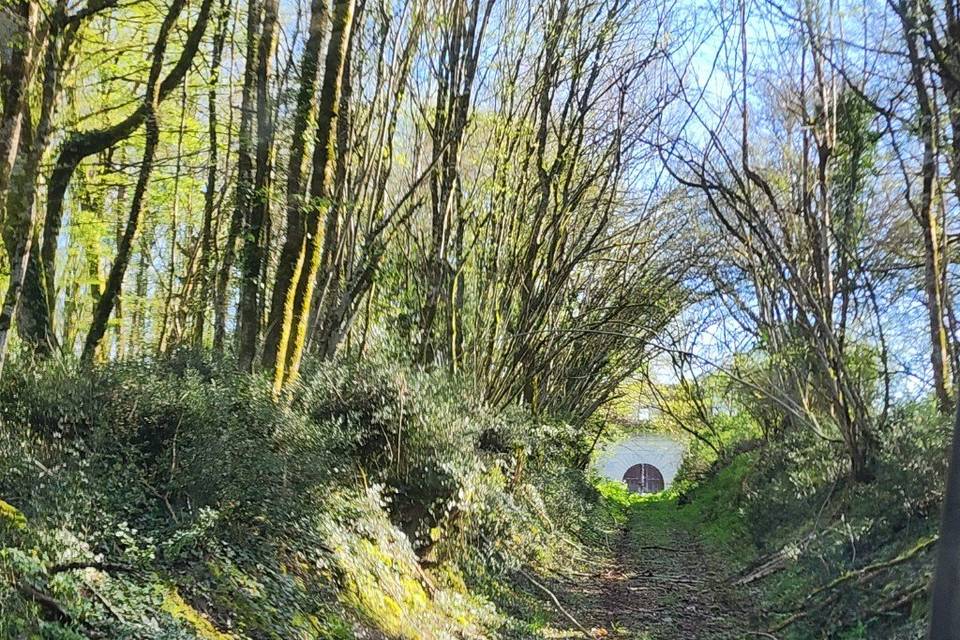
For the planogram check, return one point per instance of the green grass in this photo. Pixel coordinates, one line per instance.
(711, 510)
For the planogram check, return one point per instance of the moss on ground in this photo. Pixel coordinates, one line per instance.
(384, 583)
(11, 517)
(180, 609)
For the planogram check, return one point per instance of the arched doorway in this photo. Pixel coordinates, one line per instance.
(643, 478)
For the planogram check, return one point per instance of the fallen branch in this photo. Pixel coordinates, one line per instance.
(669, 580)
(556, 603)
(106, 567)
(103, 600)
(860, 575)
(799, 615)
(772, 563)
(864, 573)
(656, 547)
(48, 604)
(905, 596)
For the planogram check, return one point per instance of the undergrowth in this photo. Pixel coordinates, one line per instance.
(177, 499)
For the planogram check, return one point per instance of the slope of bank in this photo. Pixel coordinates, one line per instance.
(819, 555)
(178, 500)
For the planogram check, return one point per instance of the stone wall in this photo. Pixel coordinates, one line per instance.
(663, 452)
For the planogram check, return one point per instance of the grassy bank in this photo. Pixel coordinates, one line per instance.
(825, 556)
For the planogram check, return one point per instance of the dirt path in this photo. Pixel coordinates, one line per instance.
(657, 584)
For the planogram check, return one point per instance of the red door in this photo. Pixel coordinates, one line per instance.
(643, 478)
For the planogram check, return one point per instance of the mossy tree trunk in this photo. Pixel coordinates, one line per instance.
(299, 293)
(293, 241)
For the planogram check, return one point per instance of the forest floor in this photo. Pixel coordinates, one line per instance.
(657, 581)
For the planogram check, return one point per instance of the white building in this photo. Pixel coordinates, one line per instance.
(646, 462)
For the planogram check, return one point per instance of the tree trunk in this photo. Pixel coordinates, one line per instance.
(945, 591)
(926, 215)
(456, 77)
(293, 240)
(111, 291)
(300, 291)
(209, 197)
(245, 167)
(258, 212)
(166, 333)
(14, 85)
(323, 308)
(21, 186)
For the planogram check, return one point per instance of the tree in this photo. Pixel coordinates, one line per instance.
(300, 290)
(257, 202)
(305, 109)
(150, 108)
(207, 242)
